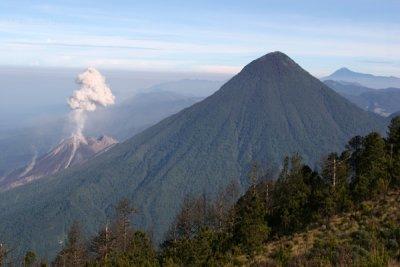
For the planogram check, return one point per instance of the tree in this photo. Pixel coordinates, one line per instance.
(221, 209)
(102, 245)
(29, 259)
(3, 253)
(394, 134)
(250, 230)
(393, 148)
(139, 252)
(194, 215)
(122, 225)
(74, 253)
(201, 229)
(290, 197)
(122, 245)
(371, 173)
(354, 148)
(335, 173)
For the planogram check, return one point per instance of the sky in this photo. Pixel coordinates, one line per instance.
(201, 36)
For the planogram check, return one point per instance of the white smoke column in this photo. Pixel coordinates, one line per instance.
(93, 92)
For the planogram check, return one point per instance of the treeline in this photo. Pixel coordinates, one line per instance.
(217, 231)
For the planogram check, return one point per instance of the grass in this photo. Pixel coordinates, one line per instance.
(362, 237)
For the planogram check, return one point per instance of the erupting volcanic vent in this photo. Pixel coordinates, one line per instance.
(69, 152)
(93, 92)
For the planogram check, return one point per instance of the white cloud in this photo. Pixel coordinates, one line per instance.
(204, 47)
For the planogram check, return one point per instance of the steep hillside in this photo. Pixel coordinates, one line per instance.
(272, 108)
(356, 238)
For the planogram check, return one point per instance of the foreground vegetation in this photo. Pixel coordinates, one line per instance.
(345, 214)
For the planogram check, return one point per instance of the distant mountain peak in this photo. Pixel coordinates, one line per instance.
(343, 70)
(365, 79)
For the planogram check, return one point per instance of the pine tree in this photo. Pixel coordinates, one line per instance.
(29, 259)
(140, 252)
(195, 215)
(394, 134)
(371, 174)
(335, 173)
(250, 230)
(393, 147)
(221, 210)
(3, 253)
(290, 197)
(74, 253)
(122, 225)
(102, 245)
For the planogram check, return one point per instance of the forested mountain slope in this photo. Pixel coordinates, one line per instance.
(272, 108)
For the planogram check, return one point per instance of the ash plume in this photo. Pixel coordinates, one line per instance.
(93, 92)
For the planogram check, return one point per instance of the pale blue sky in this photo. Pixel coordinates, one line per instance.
(201, 36)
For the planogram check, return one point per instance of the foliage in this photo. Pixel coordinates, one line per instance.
(119, 245)
(347, 214)
(74, 253)
(299, 199)
(29, 259)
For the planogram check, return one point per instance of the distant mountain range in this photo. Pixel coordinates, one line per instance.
(382, 101)
(272, 108)
(368, 80)
(69, 152)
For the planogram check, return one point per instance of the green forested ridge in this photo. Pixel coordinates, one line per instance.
(345, 214)
(272, 108)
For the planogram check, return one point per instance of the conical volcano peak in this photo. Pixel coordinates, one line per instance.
(342, 71)
(277, 55)
(274, 61)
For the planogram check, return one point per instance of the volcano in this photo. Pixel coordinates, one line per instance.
(69, 152)
(271, 109)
